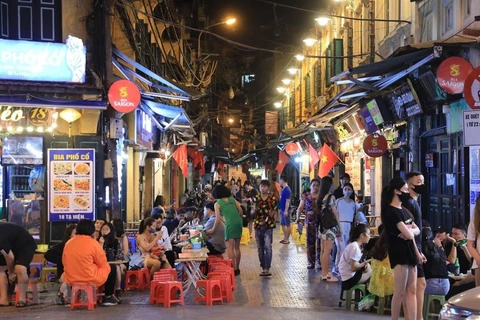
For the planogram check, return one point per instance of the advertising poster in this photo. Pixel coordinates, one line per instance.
(71, 184)
(352, 167)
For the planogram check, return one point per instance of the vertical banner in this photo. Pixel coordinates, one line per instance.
(474, 177)
(71, 184)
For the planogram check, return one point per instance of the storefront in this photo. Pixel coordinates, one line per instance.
(47, 120)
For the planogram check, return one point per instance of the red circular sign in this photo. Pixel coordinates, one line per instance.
(452, 73)
(124, 96)
(291, 148)
(472, 89)
(375, 145)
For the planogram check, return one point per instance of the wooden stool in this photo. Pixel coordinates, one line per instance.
(348, 300)
(31, 289)
(213, 291)
(426, 305)
(76, 297)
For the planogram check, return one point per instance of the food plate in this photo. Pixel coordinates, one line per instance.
(61, 202)
(62, 168)
(82, 184)
(81, 202)
(82, 168)
(62, 185)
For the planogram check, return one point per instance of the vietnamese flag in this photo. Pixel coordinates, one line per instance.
(196, 157)
(282, 161)
(202, 167)
(328, 159)
(313, 157)
(180, 156)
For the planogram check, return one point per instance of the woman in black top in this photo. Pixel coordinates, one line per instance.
(403, 252)
(435, 268)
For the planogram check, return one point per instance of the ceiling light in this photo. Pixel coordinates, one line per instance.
(40, 129)
(29, 129)
(277, 104)
(9, 128)
(300, 57)
(230, 120)
(292, 71)
(20, 129)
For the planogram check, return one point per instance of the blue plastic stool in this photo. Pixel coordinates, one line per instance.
(35, 270)
(133, 244)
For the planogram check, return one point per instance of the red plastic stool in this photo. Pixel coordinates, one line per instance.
(76, 300)
(145, 278)
(157, 291)
(31, 289)
(170, 291)
(134, 279)
(226, 285)
(224, 268)
(172, 272)
(213, 291)
(227, 262)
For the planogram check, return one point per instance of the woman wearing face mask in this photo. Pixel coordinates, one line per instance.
(146, 240)
(346, 212)
(403, 253)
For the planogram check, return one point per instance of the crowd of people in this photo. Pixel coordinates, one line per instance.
(406, 260)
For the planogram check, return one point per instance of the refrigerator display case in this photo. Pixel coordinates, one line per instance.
(28, 214)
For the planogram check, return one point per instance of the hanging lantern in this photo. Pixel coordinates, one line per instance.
(70, 115)
(291, 149)
(231, 93)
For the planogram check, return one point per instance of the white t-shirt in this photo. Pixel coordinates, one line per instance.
(472, 235)
(165, 239)
(345, 210)
(351, 252)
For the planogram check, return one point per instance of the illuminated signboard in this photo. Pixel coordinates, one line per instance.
(43, 61)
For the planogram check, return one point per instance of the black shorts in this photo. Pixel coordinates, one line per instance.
(23, 257)
(420, 272)
(346, 285)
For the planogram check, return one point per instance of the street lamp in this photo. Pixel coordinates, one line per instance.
(277, 104)
(300, 57)
(310, 40)
(292, 71)
(286, 81)
(281, 89)
(323, 21)
(229, 22)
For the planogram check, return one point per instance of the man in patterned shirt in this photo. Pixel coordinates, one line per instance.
(264, 222)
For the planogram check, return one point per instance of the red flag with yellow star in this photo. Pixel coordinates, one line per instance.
(313, 157)
(282, 161)
(180, 156)
(328, 159)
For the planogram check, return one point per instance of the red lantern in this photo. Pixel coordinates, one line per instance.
(291, 148)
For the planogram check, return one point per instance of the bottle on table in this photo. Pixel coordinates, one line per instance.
(457, 267)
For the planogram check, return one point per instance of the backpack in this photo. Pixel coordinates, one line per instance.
(327, 217)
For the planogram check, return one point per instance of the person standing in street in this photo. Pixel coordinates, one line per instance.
(285, 199)
(264, 222)
(338, 193)
(17, 248)
(311, 210)
(416, 187)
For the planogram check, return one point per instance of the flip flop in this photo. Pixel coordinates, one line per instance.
(265, 274)
(21, 304)
(286, 242)
(282, 241)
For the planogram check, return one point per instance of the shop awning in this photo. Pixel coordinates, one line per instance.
(169, 117)
(27, 100)
(161, 88)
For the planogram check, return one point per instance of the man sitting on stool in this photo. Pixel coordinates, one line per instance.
(17, 248)
(215, 241)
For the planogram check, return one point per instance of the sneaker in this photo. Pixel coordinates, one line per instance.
(109, 301)
(117, 298)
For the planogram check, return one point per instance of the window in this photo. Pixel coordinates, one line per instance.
(317, 81)
(37, 20)
(447, 17)
(308, 91)
(466, 8)
(427, 34)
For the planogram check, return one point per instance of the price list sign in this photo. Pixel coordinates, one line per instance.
(471, 127)
(71, 184)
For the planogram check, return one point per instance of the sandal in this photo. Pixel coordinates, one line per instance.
(21, 304)
(282, 241)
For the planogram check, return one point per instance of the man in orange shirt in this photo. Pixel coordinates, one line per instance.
(84, 261)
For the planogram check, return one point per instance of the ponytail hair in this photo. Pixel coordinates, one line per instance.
(357, 231)
(325, 186)
(144, 224)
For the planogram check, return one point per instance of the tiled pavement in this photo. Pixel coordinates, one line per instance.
(292, 291)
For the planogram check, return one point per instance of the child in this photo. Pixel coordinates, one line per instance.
(381, 282)
(352, 271)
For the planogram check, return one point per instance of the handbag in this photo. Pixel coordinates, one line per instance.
(327, 217)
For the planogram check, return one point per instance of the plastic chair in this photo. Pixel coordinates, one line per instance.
(135, 279)
(357, 289)
(213, 292)
(245, 239)
(31, 290)
(76, 297)
(225, 283)
(380, 305)
(426, 305)
(46, 271)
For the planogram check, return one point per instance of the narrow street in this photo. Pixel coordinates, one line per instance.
(292, 292)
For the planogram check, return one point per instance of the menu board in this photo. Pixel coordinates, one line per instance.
(404, 101)
(71, 184)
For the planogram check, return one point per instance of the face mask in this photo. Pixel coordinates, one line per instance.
(347, 194)
(421, 189)
(152, 230)
(404, 197)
